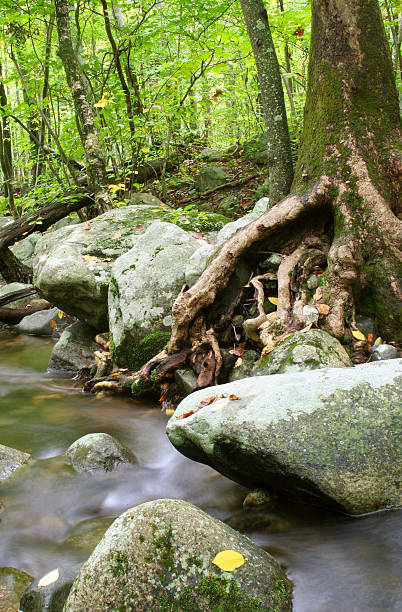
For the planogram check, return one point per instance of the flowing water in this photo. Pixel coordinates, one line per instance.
(337, 563)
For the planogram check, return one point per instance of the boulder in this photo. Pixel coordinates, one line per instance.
(98, 452)
(74, 220)
(210, 155)
(74, 349)
(13, 583)
(231, 228)
(24, 249)
(145, 282)
(72, 266)
(304, 350)
(380, 352)
(51, 597)
(261, 206)
(186, 381)
(210, 177)
(158, 556)
(245, 366)
(5, 221)
(325, 436)
(40, 323)
(11, 460)
(197, 263)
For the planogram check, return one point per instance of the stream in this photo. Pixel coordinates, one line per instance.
(336, 563)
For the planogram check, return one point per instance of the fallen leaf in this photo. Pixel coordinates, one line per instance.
(169, 411)
(115, 374)
(53, 324)
(87, 225)
(273, 300)
(358, 334)
(120, 227)
(228, 560)
(207, 401)
(234, 397)
(198, 235)
(49, 578)
(139, 228)
(187, 414)
(322, 308)
(91, 258)
(266, 350)
(370, 338)
(238, 350)
(116, 236)
(60, 314)
(379, 340)
(318, 294)
(238, 362)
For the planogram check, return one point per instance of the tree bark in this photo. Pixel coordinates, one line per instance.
(273, 103)
(96, 165)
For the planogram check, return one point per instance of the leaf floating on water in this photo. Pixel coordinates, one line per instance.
(358, 334)
(234, 397)
(379, 340)
(207, 401)
(228, 560)
(273, 300)
(49, 578)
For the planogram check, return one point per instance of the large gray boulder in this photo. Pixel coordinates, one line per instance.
(329, 436)
(308, 350)
(11, 460)
(24, 249)
(74, 349)
(158, 556)
(72, 265)
(41, 323)
(98, 452)
(231, 228)
(210, 177)
(145, 282)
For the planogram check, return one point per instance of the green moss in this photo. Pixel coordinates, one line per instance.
(139, 387)
(163, 546)
(114, 288)
(120, 564)
(144, 350)
(112, 347)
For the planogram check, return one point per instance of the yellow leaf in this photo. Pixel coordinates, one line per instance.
(273, 300)
(91, 258)
(228, 560)
(358, 334)
(101, 103)
(49, 578)
(379, 340)
(169, 411)
(267, 349)
(120, 204)
(115, 374)
(116, 236)
(238, 363)
(60, 314)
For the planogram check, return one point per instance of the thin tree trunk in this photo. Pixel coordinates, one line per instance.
(6, 158)
(269, 77)
(96, 166)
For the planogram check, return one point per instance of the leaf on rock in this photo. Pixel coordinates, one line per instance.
(234, 397)
(238, 362)
(53, 324)
(139, 228)
(358, 334)
(116, 236)
(379, 340)
(207, 401)
(228, 560)
(49, 578)
(187, 414)
(60, 314)
(318, 294)
(239, 350)
(266, 350)
(87, 225)
(273, 300)
(91, 258)
(322, 308)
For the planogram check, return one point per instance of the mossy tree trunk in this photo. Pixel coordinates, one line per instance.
(96, 165)
(272, 99)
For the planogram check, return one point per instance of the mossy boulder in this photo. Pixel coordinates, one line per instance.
(138, 354)
(13, 583)
(325, 436)
(11, 460)
(210, 177)
(304, 350)
(98, 452)
(50, 598)
(145, 282)
(158, 557)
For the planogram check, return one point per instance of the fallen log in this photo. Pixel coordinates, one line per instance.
(16, 295)
(12, 316)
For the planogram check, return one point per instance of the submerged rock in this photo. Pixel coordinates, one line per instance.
(75, 348)
(324, 436)
(98, 452)
(11, 460)
(13, 583)
(307, 350)
(158, 556)
(145, 282)
(50, 598)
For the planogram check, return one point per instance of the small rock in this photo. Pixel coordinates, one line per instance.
(13, 583)
(365, 325)
(39, 323)
(10, 288)
(261, 206)
(312, 281)
(210, 177)
(231, 228)
(310, 314)
(75, 348)
(380, 352)
(11, 460)
(98, 452)
(272, 262)
(186, 380)
(257, 497)
(50, 598)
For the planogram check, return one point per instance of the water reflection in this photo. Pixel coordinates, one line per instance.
(52, 516)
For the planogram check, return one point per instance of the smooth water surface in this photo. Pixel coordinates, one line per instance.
(336, 563)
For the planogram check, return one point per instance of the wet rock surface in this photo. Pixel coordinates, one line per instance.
(98, 452)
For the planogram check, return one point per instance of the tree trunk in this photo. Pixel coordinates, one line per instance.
(273, 103)
(96, 166)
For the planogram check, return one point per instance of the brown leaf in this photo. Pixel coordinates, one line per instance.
(187, 414)
(207, 401)
(322, 308)
(53, 324)
(318, 294)
(139, 228)
(234, 397)
(87, 225)
(116, 236)
(120, 227)
(238, 350)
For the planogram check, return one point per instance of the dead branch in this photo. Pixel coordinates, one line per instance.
(204, 194)
(16, 295)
